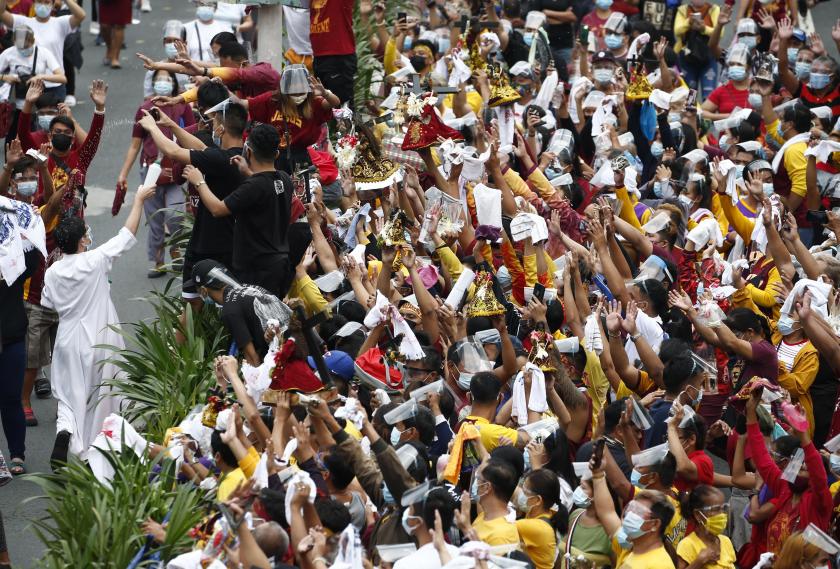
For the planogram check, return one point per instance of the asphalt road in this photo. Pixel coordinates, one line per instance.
(129, 282)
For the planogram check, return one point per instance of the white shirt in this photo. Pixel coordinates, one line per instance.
(426, 557)
(651, 330)
(199, 36)
(50, 34)
(297, 27)
(230, 14)
(13, 63)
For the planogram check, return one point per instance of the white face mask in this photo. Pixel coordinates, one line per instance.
(406, 517)
(687, 201)
(27, 188)
(298, 99)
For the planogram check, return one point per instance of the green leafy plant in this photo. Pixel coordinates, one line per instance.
(88, 524)
(163, 379)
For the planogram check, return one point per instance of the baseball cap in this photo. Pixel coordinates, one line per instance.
(339, 363)
(603, 56)
(209, 272)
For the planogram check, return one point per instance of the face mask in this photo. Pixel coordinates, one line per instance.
(657, 189)
(528, 38)
(739, 171)
(395, 436)
(406, 516)
(621, 538)
(657, 149)
(580, 498)
(835, 463)
(204, 13)
(699, 398)
(443, 45)
(613, 41)
(803, 69)
(170, 50)
(26, 52)
(785, 324)
(636, 479)
(386, 495)
(685, 200)
(754, 100)
(768, 189)
(780, 131)
(723, 143)
(603, 75)
(523, 90)
(162, 88)
(61, 141)
(298, 99)
(474, 496)
(674, 117)
(407, 43)
(819, 80)
(418, 62)
(44, 121)
(26, 189)
(716, 524)
(603, 4)
(522, 502)
(737, 73)
(632, 525)
(748, 41)
(43, 10)
(792, 52)
(778, 431)
(464, 380)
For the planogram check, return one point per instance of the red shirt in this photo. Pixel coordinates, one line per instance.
(705, 472)
(249, 81)
(181, 114)
(331, 27)
(303, 132)
(727, 97)
(811, 100)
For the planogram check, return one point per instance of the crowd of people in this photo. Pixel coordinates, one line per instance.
(562, 290)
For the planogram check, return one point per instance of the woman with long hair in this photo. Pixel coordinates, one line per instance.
(539, 500)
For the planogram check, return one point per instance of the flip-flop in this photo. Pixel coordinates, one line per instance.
(116, 66)
(17, 467)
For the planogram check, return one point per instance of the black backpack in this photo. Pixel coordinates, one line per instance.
(696, 50)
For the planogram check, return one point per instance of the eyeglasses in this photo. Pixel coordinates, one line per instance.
(720, 509)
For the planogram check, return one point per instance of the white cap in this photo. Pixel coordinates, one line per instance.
(534, 20)
(582, 470)
(521, 68)
(330, 281)
(395, 552)
(749, 146)
(746, 26)
(650, 456)
(823, 112)
(570, 345)
(349, 329)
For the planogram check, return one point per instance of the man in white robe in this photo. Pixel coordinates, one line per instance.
(77, 287)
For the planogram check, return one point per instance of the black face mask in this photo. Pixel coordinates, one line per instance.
(61, 141)
(418, 62)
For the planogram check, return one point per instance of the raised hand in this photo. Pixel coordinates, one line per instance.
(785, 27)
(680, 300)
(98, 93)
(14, 152)
(36, 89)
(766, 21)
(148, 63)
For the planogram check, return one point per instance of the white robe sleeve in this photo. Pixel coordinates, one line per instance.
(114, 247)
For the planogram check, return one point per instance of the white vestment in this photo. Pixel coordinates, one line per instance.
(77, 287)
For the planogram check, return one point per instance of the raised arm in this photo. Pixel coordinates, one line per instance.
(77, 13)
(789, 79)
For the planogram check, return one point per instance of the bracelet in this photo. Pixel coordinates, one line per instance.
(636, 337)
(613, 335)
(204, 72)
(320, 560)
(598, 477)
(201, 182)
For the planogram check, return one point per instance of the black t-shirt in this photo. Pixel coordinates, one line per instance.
(559, 35)
(13, 321)
(214, 235)
(662, 15)
(261, 205)
(240, 318)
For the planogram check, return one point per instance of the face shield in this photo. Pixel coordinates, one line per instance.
(295, 80)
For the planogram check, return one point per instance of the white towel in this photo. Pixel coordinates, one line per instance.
(409, 345)
(777, 160)
(581, 83)
(592, 340)
(819, 296)
(115, 433)
(299, 476)
(631, 181)
(507, 127)
(537, 402)
(727, 168)
(706, 231)
(543, 99)
(823, 150)
(637, 45)
(377, 314)
(604, 176)
(488, 205)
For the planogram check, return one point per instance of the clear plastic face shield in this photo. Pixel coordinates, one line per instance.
(218, 275)
(173, 29)
(24, 37)
(655, 268)
(295, 80)
(562, 145)
(472, 359)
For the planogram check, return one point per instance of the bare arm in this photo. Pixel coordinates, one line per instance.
(77, 13)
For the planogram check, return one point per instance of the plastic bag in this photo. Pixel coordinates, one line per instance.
(710, 314)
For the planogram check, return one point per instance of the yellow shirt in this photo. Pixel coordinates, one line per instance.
(795, 161)
(645, 386)
(496, 532)
(654, 559)
(491, 432)
(232, 479)
(690, 547)
(540, 541)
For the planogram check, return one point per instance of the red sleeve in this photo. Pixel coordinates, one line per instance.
(322, 114)
(89, 148)
(261, 75)
(24, 134)
(137, 131)
(188, 116)
(768, 470)
(705, 468)
(715, 96)
(818, 478)
(260, 107)
(517, 275)
(687, 276)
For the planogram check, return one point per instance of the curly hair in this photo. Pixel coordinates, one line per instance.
(68, 234)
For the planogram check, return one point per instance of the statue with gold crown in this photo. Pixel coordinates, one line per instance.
(484, 301)
(639, 87)
(501, 91)
(540, 351)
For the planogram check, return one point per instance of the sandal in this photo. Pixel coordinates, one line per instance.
(17, 467)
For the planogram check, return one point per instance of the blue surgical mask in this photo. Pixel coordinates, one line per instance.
(395, 436)
(27, 188)
(44, 121)
(204, 13)
(819, 80)
(603, 75)
(474, 490)
(748, 41)
(737, 73)
(162, 88)
(657, 189)
(621, 538)
(723, 143)
(632, 524)
(26, 52)
(792, 52)
(464, 380)
(778, 431)
(768, 189)
(674, 117)
(636, 479)
(580, 498)
(208, 302)
(407, 42)
(386, 495)
(754, 100)
(699, 398)
(171, 50)
(443, 45)
(803, 70)
(835, 463)
(657, 149)
(43, 10)
(528, 38)
(613, 41)
(779, 131)
(603, 4)
(685, 200)
(739, 171)
(785, 325)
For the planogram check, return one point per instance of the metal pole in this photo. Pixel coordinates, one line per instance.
(270, 34)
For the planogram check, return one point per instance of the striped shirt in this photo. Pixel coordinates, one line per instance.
(788, 352)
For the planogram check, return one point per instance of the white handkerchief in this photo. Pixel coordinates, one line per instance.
(488, 205)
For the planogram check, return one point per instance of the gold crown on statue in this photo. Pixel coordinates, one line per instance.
(393, 232)
(539, 356)
(484, 301)
(501, 93)
(639, 87)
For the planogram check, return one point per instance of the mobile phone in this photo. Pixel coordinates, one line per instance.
(402, 16)
(691, 100)
(817, 216)
(584, 35)
(539, 291)
(155, 112)
(697, 15)
(598, 452)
